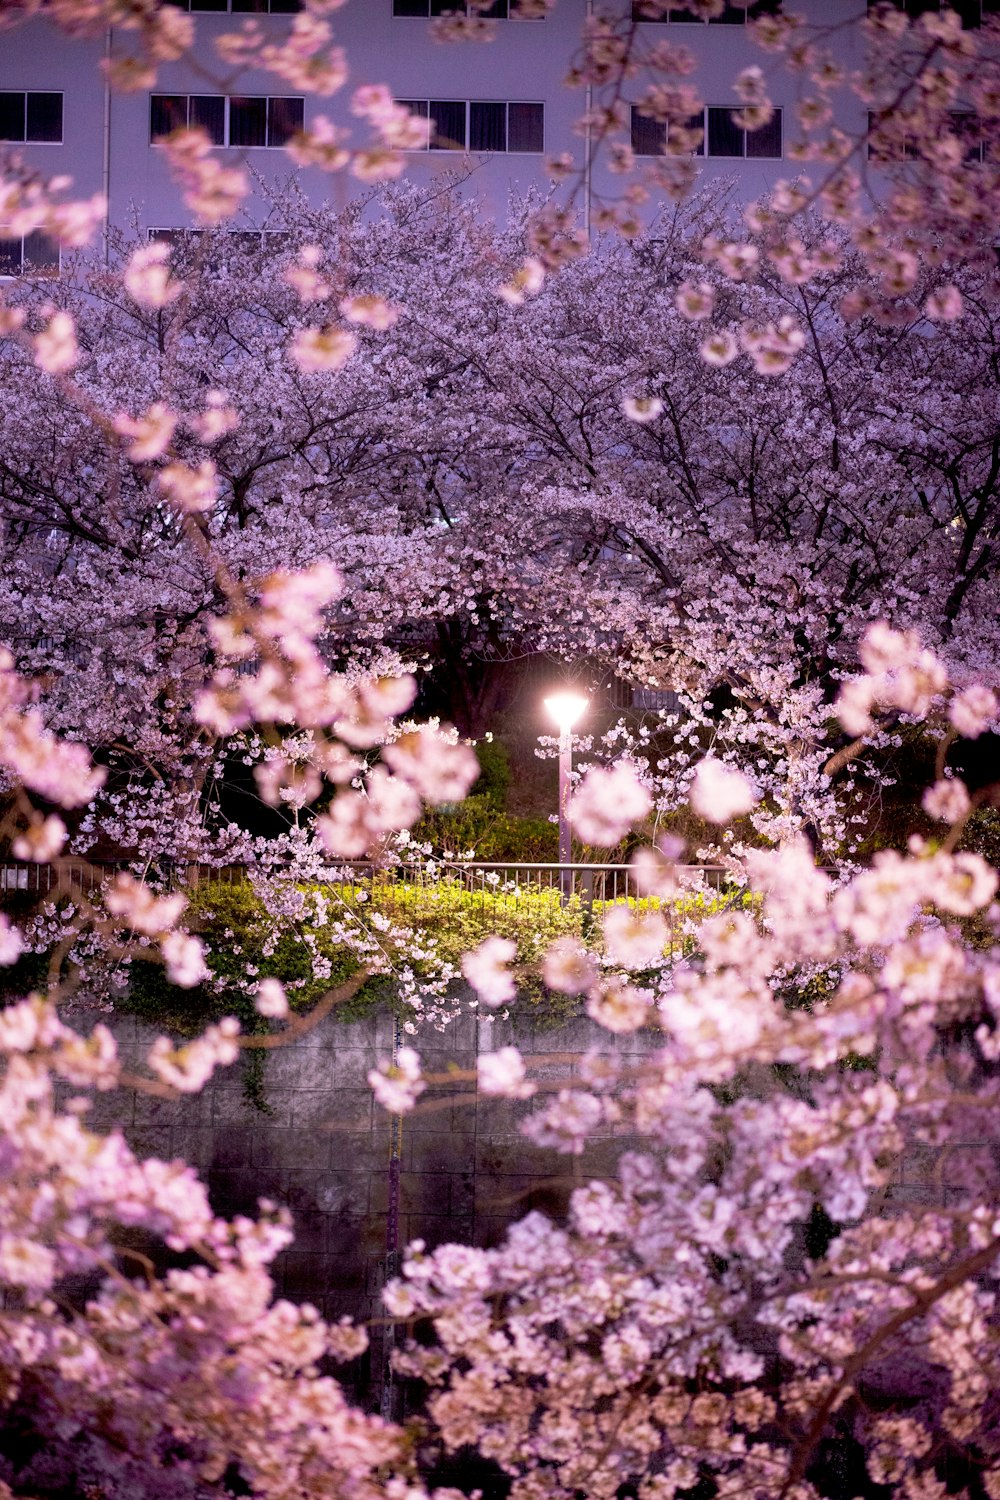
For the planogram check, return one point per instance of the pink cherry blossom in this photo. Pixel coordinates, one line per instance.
(947, 800)
(41, 841)
(149, 435)
(397, 1086)
(194, 491)
(619, 1007)
(486, 970)
(642, 408)
(56, 349)
(11, 942)
(373, 312)
(502, 1074)
(189, 1067)
(271, 1000)
(634, 939)
(481, 484)
(185, 959)
(695, 300)
(316, 350)
(147, 276)
(608, 803)
(568, 967)
(719, 349)
(720, 792)
(973, 710)
(441, 770)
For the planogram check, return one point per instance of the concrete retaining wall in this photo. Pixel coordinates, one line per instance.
(323, 1149)
(464, 1172)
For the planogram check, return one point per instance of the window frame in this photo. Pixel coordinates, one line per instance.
(289, 8)
(422, 107)
(907, 149)
(169, 234)
(460, 5)
(970, 22)
(227, 144)
(735, 15)
(704, 153)
(26, 139)
(659, 126)
(271, 244)
(47, 273)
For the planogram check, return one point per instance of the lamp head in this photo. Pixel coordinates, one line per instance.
(566, 709)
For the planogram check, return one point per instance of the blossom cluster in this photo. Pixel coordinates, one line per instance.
(732, 1300)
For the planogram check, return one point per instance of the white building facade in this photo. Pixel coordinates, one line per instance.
(501, 106)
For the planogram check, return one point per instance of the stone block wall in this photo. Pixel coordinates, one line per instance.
(323, 1149)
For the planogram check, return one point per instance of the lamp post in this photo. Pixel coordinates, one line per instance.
(566, 709)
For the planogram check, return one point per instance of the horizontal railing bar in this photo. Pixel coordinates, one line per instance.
(452, 864)
(351, 866)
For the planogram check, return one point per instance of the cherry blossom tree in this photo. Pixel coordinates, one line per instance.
(742, 1310)
(602, 474)
(106, 597)
(744, 1301)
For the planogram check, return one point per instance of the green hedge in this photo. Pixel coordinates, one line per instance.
(444, 917)
(238, 932)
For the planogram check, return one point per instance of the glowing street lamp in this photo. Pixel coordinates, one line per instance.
(566, 709)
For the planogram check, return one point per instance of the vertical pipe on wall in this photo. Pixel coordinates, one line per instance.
(387, 1390)
(106, 152)
(588, 166)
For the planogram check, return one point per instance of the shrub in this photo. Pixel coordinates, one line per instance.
(494, 773)
(494, 835)
(424, 925)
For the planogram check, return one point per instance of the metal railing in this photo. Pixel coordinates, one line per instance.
(83, 875)
(480, 898)
(587, 882)
(532, 904)
(514, 882)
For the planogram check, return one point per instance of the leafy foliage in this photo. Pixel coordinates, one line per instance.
(478, 824)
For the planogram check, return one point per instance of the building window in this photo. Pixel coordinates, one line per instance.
(420, 10)
(240, 121)
(655, 700)
(972, 12)
(733, 15)
(30, 255)
(721, 137)
(31, 117)
(240, 7)
(481, 125)
(243, 241)
(888, 140)
(725, 138)
(649, 137)
(244, 251)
